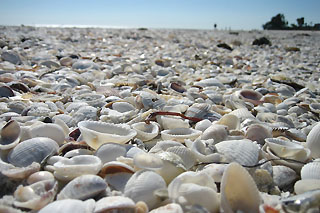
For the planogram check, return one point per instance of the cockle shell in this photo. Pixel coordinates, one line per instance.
(198, 110)
(164, 145)
(83, 188)
(180, 134)
(313, 141)
(242, 114)
(96, 133)
(142, 185)
(311, 170)
(192, 188)
(10, 133)
(32, 150)
(244, 152)
(146, 132)
(238, 190)
(67, 169)
(187, 156)
(69, 205)
(37, 195)
(115, 204)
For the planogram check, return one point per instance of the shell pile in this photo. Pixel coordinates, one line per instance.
(146, 120)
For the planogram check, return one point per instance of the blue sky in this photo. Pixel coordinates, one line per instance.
(196, 14)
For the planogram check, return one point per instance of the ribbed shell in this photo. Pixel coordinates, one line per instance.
(313, 141)
(311, 170)
(32, 150)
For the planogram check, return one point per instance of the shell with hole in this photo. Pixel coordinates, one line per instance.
(96, 133)
(238, 190)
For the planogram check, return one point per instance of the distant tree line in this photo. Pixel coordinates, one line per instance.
(279, 22)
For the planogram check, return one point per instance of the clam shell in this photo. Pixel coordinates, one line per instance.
(146, 132)
(37, 195)
(244, 152)
(68, 169)
(32, 150)
(110, 151)
(238, 190)
(96, 133)
(180, 134)
(258, 132)
(49, 130)
(142, 185)
(10, 133)
(115, 204)
(69, 205)
(311, 170)
(313, 141)
(83, 188)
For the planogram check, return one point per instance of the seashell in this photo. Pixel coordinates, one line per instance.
(19, 172)
(258, 132)
(187, 156)
(242, 114)
(171, 122)
(306, 185)
(284, 176)
(32, 150)
(311, 170)
(244, 152)
(222, 110)
(164, 145)
(192, 188)
(69, 205)
(83, 188)
(313, 141)
(146, 132)
(110, 151)
(238, 190)
(116, 174)
(177, 87)
(315, 107)
(251, 96)
(37, 195)
(39, 176)
(204, 154)
(267, 117)
(215, 171)
(77, 152)
(68, 169)
(121, 112)
(10, 133)
(96, 133)
(296, 134)
(198, 110)
(288, 149)
(180, 134)
(231, 121)
(216, 132)
(203, 125)
(169, 208)
(48, 130)
(115, 204)
(142, 185)
(92, 99)
(148, 161)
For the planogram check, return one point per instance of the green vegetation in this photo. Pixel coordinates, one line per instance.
(279, 22)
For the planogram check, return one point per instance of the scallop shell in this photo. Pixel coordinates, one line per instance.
(37, 195)
(49, 130)
(142, 185)
(115, 204)
(10, 133)
(96, 133)
(238, 190)
(193, 188)
(83, 188)
(313, 141)
(69, 205)
(110, 151)
(311, 170)
(180, 134)
(32, 150)
(244, 152)
(68, 169)
(216, 132)
(146, 132)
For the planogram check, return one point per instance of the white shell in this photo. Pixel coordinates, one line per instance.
(142, 185)
(148, 161)
(242, 114)
(169, 208)
(164, 145)
(49, 130)
(172, 122)
(110, 151)
(311, 170)
(238, 190)
(216, 132)
(67, 169)
(230, 120)
(187, 156)
(305, 185)
(180, 134)
(244, 152)
(190, 188)
(96, 133)
(69, 205)
(203, 125)
(10, 135)
(37, 195)
(83, 188)
(215, 171)
(146, 132)
(39, 176)
(203, 154)
(115, 204)
(313, 141)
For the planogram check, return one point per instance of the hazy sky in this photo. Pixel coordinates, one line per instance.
(197, 14)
